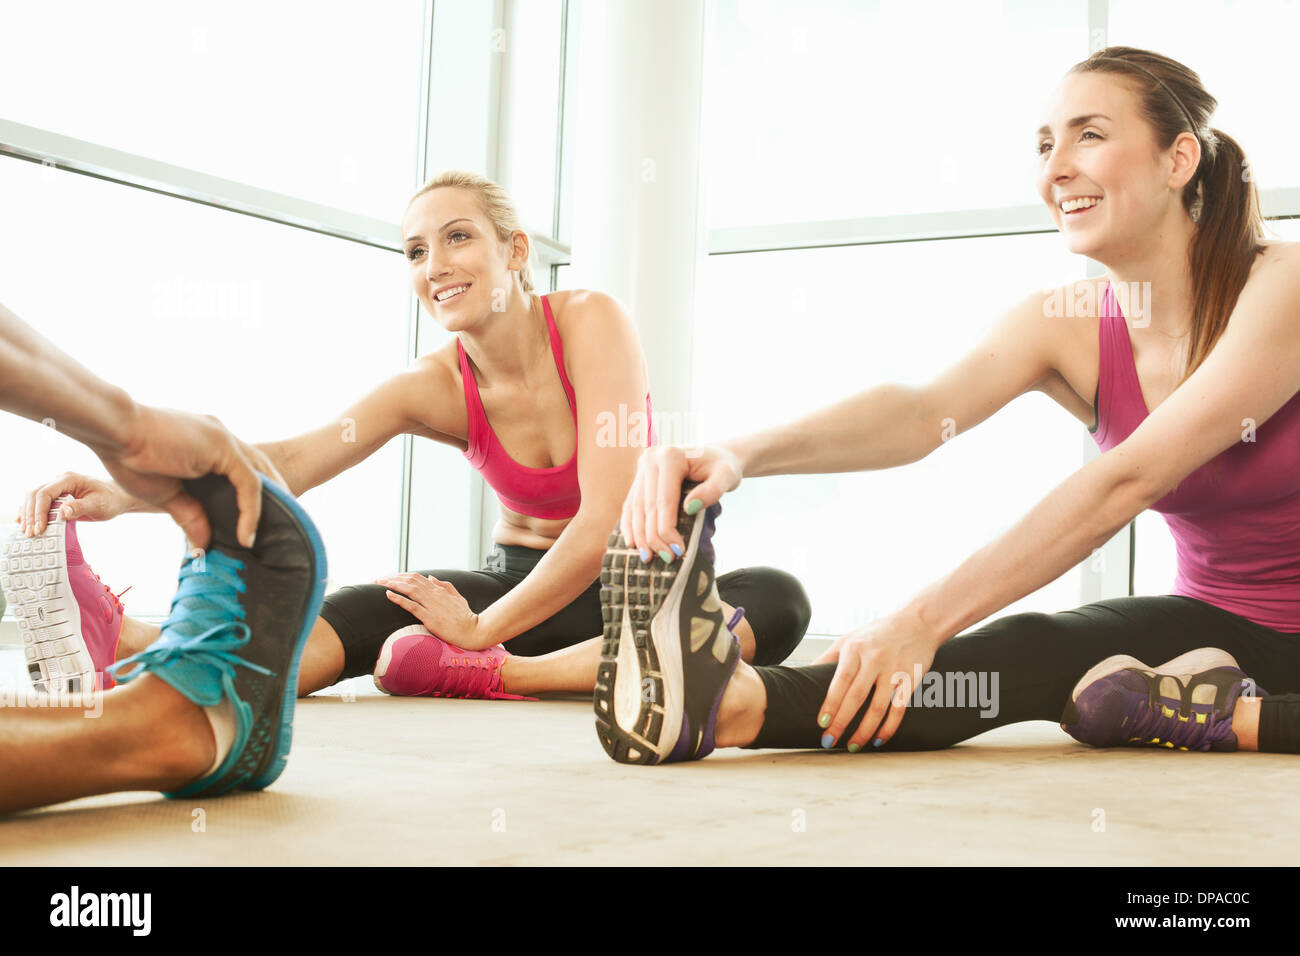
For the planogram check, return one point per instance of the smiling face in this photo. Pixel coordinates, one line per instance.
(1096, 144)
(459, 268)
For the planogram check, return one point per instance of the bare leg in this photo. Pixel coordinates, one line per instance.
(1245, 722)
(148, 737)
(136, 636)
(573, 669)
(568, 669)
(322, 659)
(740, 715)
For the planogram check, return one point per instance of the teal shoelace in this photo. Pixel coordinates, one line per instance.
(204, 630)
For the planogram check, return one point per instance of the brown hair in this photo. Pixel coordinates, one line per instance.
(495, 203)
(1230, 224)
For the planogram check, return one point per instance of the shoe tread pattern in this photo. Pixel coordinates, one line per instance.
(640, 589)
(33, 574)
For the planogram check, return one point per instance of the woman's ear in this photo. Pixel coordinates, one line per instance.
(1187, 158)
(520, 247)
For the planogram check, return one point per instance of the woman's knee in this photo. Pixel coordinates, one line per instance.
(776, 606)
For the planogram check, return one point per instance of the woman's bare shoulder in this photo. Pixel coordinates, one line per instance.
(591, 316)
(1277, 251)
(442, 363)
(576, 306)
(596, 328)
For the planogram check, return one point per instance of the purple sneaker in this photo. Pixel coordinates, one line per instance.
(1184, 704)
(667, 653)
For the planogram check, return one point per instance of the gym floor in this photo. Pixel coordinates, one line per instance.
(377, 780)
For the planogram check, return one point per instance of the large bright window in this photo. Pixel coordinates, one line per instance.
(840, 109)
(272, 329)
(783, 333)
(531, 124)
(317, 100)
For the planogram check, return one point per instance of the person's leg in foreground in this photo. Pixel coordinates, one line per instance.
(208, 707)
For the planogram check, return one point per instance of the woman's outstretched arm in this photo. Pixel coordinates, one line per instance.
(883, 427)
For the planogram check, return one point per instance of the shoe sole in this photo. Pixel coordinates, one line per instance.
(34, 575)
(284, 740)
(637, 697)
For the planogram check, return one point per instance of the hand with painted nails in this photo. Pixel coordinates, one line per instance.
(439, 607)
(649, 519)
(887, 655)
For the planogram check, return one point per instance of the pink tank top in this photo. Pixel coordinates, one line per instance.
(537, 492)
(1236, 519)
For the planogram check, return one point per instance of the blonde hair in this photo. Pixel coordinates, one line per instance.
(495, 203)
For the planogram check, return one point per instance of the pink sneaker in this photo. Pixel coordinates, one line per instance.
(414, 663)
(69, 620)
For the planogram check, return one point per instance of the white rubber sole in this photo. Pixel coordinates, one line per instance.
(34, 575)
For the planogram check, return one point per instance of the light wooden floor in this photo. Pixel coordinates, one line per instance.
(379, 780)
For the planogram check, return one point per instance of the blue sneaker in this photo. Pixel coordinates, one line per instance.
(238, 625)
(668, 652)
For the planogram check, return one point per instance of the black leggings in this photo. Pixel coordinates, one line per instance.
(1037, 659)
(775, 606)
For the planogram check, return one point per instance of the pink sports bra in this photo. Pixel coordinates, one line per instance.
(548, 493)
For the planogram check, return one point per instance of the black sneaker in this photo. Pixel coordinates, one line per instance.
(667, 653)
(238, 625)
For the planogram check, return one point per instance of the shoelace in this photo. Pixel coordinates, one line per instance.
(115, 598)
(205, 625)
(735, 619)
(474, 677)
(1151, 725)
(471, 676)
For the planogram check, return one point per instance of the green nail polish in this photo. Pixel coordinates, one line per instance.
(854, 748)
(667, 556)
(824, 721)
(693, 506)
